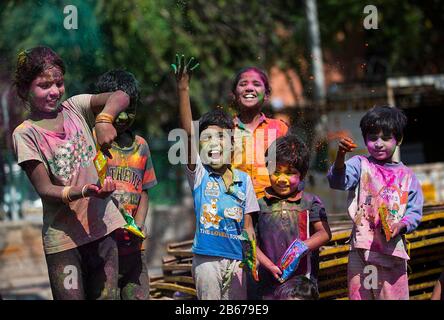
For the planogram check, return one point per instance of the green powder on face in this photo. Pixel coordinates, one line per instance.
(260, 97)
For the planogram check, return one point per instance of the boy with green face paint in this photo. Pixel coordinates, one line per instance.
(224, 199)
(131, 166)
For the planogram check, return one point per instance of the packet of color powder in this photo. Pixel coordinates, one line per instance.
(100, 162)
(290, 259)
(383, 215)
(130, 225)
(249, 254)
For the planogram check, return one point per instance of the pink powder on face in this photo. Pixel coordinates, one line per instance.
(285, 181)
(250, 89)
(381, 147)
(46, 91)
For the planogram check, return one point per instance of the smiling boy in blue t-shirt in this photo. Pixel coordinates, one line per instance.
(224, 200)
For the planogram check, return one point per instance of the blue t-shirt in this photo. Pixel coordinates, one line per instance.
(220, 212)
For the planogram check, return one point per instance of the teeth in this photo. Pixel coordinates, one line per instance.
(249, 96)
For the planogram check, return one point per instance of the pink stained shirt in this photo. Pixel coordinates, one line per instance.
(68, 159)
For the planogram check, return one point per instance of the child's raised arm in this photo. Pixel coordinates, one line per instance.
(340, 176)
(345, 145)
(183, 73)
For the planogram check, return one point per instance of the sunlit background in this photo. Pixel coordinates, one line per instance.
(327, 65)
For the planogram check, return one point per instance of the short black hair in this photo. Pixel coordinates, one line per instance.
(389, 120)
(298, 287)
(216, 117)
(119, 79)
(291, 151)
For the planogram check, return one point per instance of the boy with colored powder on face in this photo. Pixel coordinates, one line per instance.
(385, 202)
(224, 199)
(131, 168)
(289, 215)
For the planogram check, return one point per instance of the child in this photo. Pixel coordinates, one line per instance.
(223, 200)
(254, 132)
(298, 288)
(288, 213)
(131, 168)
(55, 147)
(385, 201)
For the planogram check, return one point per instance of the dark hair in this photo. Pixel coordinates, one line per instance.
(119, 79)
(291, 151)
(299, 287)
(262, 74)
(216, 117)
(389, 120)
(31, 63)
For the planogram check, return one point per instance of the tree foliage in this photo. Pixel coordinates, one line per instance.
(143, 36)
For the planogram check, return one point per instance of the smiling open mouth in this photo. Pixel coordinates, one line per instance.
(249, 96)
(214, 154)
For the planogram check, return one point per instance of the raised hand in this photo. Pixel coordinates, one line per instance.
(183, 71)
(346, 144)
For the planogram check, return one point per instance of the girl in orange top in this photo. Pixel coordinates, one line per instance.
(254, 132)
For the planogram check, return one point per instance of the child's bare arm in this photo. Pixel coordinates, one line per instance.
(39, 178)
(249, 226)
(261, 257)
(183, 74)
(111, 103)
(142, 210)
(268, 264)
(320, 237)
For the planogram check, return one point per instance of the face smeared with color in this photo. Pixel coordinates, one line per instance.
(124, 120)
(285, 180)
(47, 90)
(380, 146)
(215, 147)
(250, 90)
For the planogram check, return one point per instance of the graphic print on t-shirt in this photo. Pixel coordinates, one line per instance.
(69, 156)
(209, 217)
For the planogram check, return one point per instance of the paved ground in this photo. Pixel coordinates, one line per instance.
(36, 288)
(29, 288)
(23, 271)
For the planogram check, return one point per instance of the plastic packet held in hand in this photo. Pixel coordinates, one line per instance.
(100, 162)
(130, 225)
(249, 254)
(290, 259)
(383, 215)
